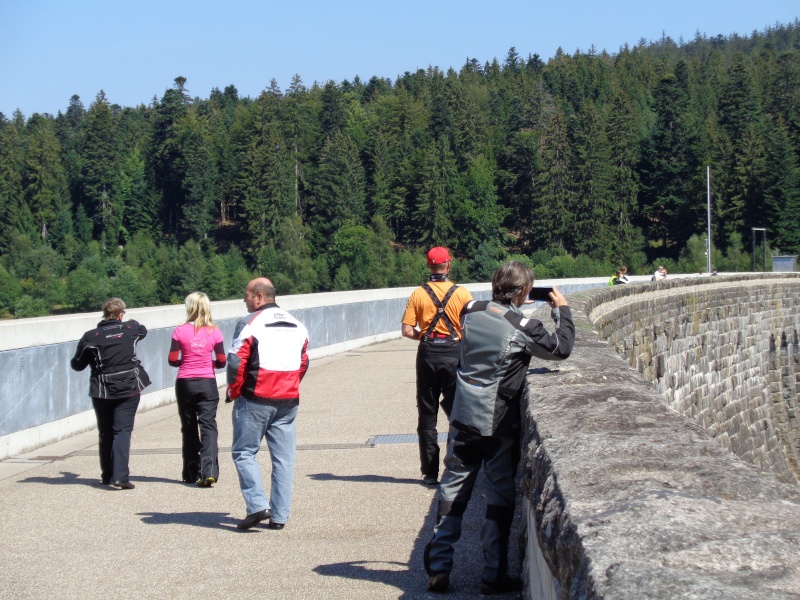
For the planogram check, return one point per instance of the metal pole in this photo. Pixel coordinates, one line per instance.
(753, 240)
(708, 195)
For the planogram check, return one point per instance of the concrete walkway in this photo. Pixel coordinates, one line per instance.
(360, 515)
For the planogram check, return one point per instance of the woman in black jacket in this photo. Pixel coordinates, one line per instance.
(115, 386)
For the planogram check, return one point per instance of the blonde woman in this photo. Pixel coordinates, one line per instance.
(197, 348)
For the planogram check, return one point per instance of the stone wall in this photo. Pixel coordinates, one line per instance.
(721, 352)
(627, 497)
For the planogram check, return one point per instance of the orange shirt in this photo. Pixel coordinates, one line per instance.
(420, 309)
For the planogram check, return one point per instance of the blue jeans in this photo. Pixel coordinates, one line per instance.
(252, 421)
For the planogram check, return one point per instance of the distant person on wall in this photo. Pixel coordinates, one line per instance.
(432, 317)
(620, 276)
(115, 385)
(196, 349)
(660, 274)
(266, 363)
(485, 424)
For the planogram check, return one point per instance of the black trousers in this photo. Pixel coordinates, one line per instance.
(115, 424)
(198, 399)
(466, 453)
(437, 361)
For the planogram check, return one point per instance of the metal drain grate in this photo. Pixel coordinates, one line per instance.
(222, 450)
(402, 438)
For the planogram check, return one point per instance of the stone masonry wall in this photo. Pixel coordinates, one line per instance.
(721, 352)
(627, 498)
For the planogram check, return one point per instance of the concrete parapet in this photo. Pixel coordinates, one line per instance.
(43, 401)
(628, 496)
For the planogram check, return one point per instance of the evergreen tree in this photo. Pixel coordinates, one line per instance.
(738, 105)
(99, 162)
(132, 191)
(440, 195)
(381, 180)
(10, 292)
(200, 181)
(552, 196)
(593, 226)
(266, 180)
(10, 180)
(622, 129)
(359, 258)
(595, 158)
(782, 190)
(62, 231)
(189, 271)
(479, 218)
(332, 116)
(165, 153)
(69, 129)
(83, 226)
(468, 126)
(748, 181)
(135, 287)
(300, 130)
(672, 192)
(44, 184)
(518, 178)
(783, 96)
(339, 188)
(293, 263)
(86, 291)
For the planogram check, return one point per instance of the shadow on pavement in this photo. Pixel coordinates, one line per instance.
(362, 478)
(212, 520)
(368, 570)
(542, 371)
(146, 479)
(66, 478)
(410, 578)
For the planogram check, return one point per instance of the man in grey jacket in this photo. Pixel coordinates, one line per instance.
(497, 345)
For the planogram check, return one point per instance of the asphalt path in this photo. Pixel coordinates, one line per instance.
(360, 513)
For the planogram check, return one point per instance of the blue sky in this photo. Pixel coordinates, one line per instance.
(52, 49)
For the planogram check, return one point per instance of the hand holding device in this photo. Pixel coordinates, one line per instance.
(540, 294)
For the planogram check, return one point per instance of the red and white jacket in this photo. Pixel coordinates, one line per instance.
(268, 357)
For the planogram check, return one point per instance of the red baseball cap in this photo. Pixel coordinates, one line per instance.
(438, 255)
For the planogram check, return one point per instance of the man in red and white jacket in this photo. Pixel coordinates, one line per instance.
(266, 363)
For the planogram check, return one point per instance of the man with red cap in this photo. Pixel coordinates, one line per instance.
(432, 316)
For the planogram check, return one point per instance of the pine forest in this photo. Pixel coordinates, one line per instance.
(576, 165)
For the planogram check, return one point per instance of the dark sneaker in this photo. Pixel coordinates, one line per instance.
(207, 482)
(503, 586)
(274, 525)
(428, 480)
(123, 485)
(439, 582)
(254, 519)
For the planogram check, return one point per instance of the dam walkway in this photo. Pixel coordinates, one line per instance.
(360, 513)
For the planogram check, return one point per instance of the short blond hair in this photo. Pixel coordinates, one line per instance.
(198, 310)
(113, 308)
